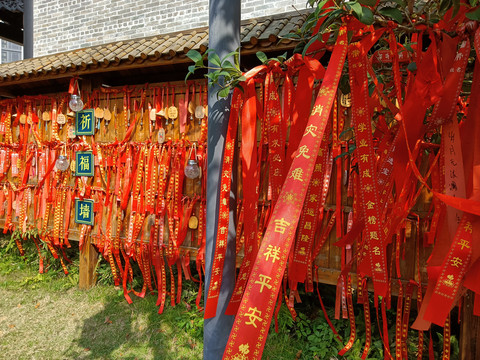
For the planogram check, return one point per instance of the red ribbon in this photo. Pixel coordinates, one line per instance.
(224, 209)
(252, 322)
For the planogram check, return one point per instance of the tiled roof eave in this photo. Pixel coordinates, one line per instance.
(256, 34)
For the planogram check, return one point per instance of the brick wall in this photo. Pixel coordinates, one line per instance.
(62, 25)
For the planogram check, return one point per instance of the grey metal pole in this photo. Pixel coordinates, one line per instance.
(224, 37)
(27, 29)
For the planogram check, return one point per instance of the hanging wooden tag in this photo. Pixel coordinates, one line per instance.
(99, 113)
(346, 100)
(61, 119)
(23, 119)
(199, 112)
(161, 135)
(107, 115)
(193, 222)
(46, 116)
(15, 159)
(85, 163)
(71, 132)
(85, 122)
(172, 112)
(191, 107)
(153, 114)
(84, 211)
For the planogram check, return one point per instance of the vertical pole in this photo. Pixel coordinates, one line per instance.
(469, 341)
(89, 254)
(224, 37)
(27, 29)
(88, 264)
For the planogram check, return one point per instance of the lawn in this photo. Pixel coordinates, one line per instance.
(46, 316)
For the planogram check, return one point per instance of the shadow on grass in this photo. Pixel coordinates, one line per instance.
(137, 331)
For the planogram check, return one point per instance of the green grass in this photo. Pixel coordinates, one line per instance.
(46, 316)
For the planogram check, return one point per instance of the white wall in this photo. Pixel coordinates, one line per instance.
(62, 25)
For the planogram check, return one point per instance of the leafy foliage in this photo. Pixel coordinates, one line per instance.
(221, 72)
(404, 15)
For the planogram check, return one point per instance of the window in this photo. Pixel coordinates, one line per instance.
(10, 52)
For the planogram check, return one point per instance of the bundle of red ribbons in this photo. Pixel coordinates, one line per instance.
(392, 145)
(389, 146)
(145, 208)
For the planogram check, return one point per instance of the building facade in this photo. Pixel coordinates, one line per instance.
(63, 25)
(10, 52)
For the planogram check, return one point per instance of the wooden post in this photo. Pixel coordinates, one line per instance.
(88, 255)
(469, 341)
(88, 263)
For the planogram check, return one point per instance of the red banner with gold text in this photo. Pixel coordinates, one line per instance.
(252, 322)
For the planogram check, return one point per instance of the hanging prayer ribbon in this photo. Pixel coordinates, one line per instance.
(251, 324)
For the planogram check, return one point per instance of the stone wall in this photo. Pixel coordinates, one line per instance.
(63, 25)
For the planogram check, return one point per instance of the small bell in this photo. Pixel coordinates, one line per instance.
(62, 163)
(76, 103)
(192, 170)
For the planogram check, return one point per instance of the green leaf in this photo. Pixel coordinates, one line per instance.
(474, 15)
(444, 6)
(291, 36)
(223, 93)
(344, 132)
(211, 75)
(312, 40)
(310, 23)
(214, 59)
(283, 57)
(236, 60)
(412, 66)
(392, 13)
(356, 8)
(228, 65)
(332, 17)
(367, 16)
(342, 155)
(299, 47)
(191, 70)
(223, 73)
(368, 2)
(230, 54)
(320, 6)
(262, 57)
(408, 46)
(195, 56)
